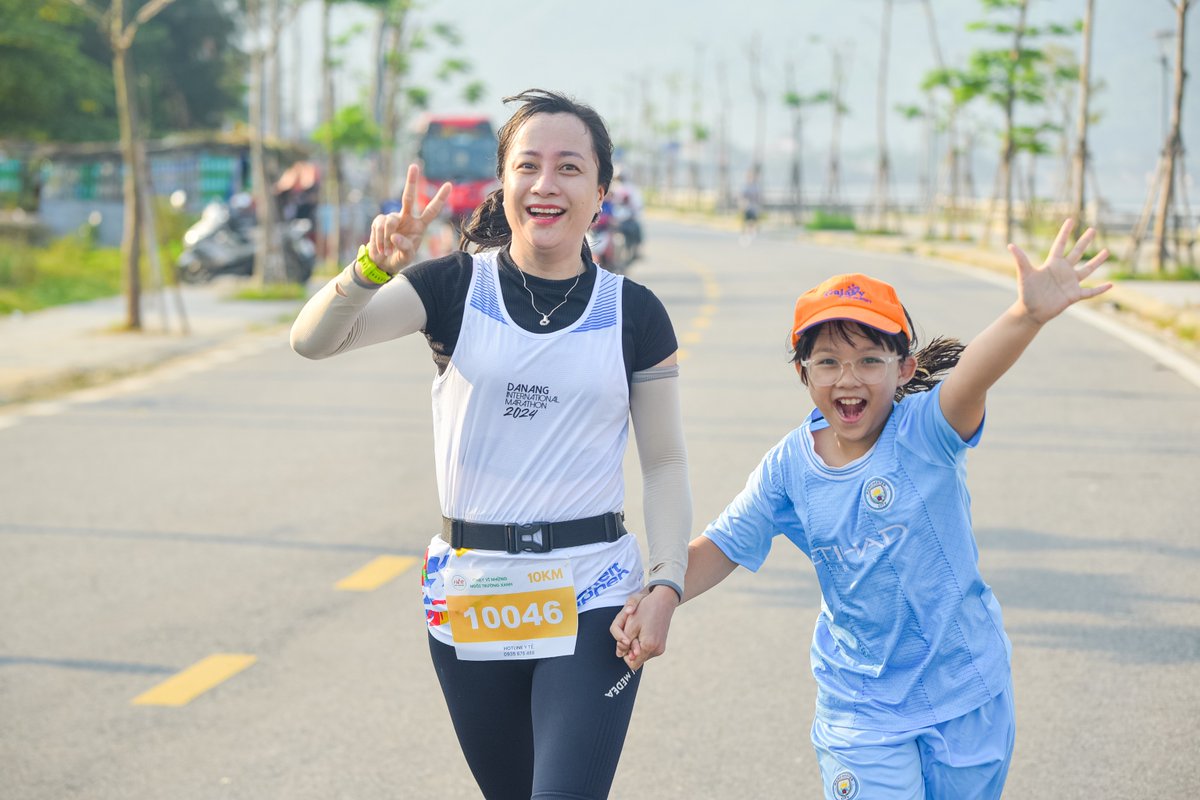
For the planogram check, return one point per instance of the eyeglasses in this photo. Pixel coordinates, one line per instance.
(828, 371)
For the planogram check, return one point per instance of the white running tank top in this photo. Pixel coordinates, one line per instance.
(532, 427)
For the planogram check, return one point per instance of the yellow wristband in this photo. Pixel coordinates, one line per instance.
(369, 269)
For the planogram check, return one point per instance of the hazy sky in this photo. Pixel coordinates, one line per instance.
(603, 52)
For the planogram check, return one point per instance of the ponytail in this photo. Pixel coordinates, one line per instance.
(487, 226)
(933, 361)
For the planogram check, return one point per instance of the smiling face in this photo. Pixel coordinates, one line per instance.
(856, 411)
(551, 192)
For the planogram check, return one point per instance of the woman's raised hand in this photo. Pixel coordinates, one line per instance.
(1046, 291)
(395, 238)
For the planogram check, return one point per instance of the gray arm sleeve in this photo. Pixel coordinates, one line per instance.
(345, 315)
(667, 504)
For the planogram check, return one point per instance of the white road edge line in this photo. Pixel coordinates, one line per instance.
(1179, 364)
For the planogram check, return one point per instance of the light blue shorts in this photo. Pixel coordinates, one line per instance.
(965, 757)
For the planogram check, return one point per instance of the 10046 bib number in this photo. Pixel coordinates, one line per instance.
(511, 617)
(541, 614)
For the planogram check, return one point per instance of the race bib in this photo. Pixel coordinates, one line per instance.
(518, 608)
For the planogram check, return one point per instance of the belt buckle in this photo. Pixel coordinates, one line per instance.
(532, 538)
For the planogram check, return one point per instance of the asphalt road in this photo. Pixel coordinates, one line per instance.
(215, 511)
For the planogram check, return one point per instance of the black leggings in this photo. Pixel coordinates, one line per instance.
(548, 728)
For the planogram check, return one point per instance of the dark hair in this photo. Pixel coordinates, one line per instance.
(933, 360)
(487, 226)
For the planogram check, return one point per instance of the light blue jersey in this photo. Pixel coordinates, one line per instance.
(909, 635)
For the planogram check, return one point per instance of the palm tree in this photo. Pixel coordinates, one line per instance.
(797, 102)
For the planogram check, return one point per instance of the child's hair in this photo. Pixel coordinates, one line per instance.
(933, 360)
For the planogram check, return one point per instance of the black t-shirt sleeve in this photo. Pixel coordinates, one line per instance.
(648, 332)
(442, 284)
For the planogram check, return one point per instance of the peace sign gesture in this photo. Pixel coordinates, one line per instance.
(1046, 291)
(395, 238)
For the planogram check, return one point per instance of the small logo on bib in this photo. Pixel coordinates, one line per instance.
(845, 785)
(878, 493)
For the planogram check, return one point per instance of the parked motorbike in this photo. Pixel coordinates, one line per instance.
(222, 243)
(606, 240)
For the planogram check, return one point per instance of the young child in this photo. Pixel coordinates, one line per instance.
(914, 687)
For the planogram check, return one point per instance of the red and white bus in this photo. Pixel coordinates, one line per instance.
(460, 149)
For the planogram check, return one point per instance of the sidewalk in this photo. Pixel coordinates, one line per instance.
(50, 352)
(59, 349)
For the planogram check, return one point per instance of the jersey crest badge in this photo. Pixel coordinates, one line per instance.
(845, 785)
(879, 493)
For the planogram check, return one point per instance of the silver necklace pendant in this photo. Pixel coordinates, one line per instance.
(545, 320)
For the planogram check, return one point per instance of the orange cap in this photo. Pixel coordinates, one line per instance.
(853, 297)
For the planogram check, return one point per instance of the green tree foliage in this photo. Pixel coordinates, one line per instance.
(350, 129)
(192, 73)
(56, 71)
(50, 88)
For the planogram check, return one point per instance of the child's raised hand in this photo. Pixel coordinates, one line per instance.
(1046, 291)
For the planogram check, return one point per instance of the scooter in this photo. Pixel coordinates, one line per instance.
(607, 242)
(222, 243)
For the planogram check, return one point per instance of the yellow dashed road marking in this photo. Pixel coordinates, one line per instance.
(704, 313)
(186, 686)
(375, 574)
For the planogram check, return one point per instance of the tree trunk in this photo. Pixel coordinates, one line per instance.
(797, 173)
(381, 104)
(930, 121)
(127, 122)
(883, 168)
(724, 184)
(694, 178)
(273, 92)
(389, 123)
(295, 84)
(1010, 102)
(1174, 144)
(833, 185)
(1079, 170)
(754, 51)
(267, 262)
(332, 185)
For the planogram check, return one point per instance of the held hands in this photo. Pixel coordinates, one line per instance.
(395, 238)
(640, 627)
(1045, 292)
